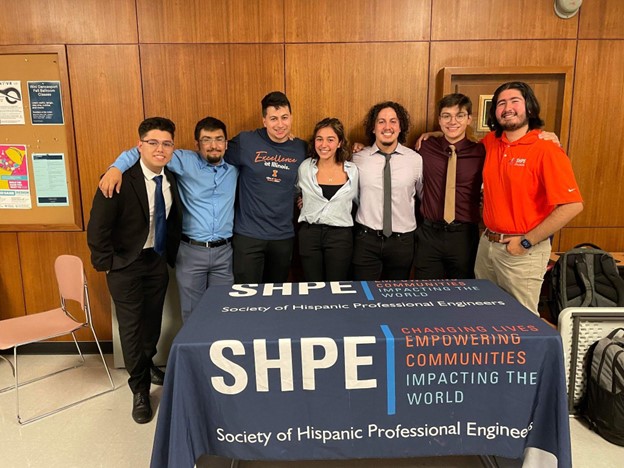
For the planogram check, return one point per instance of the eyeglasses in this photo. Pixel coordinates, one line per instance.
(155, 144)
(219, 141)
(459, 117)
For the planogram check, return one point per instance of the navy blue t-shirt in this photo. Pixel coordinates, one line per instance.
(266, 184)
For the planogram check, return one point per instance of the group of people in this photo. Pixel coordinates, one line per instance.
(223, 213)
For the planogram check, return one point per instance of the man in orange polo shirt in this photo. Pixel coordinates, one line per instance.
(529, 193)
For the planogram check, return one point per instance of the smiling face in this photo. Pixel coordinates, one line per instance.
(156, 148)
(278, 122)
(454, 122)
(212, 145)
(326, 142)
(387, 129)
(511, 110)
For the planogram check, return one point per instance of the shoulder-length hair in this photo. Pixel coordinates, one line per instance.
(532, 106)
(343, 153)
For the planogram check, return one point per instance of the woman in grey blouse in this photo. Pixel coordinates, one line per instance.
(328, 182)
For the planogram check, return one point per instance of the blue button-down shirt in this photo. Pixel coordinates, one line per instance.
(207, 192)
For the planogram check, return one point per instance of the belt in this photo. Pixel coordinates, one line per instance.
(322, 226)
(448, 227)
(374, 232)
(498, 237)
(209, 244)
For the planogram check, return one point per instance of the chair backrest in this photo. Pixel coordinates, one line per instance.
(580, 327)
(70, 277)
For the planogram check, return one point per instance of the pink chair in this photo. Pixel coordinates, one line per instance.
(32, 328)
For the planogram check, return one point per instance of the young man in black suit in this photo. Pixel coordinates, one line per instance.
(132, 237)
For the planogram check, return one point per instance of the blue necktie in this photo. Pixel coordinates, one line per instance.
(160, 218)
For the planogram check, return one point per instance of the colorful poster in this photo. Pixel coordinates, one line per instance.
(50, 179)
(11, 104)
(14, 185)
(46, 107)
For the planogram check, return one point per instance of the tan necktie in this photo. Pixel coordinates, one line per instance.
(449, 193)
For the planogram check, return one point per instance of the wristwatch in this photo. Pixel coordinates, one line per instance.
(526, 243)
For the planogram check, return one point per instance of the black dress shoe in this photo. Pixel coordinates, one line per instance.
(157, 377)
(141, 409)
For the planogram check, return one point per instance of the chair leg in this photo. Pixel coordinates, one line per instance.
(12, 372)
(17, 407)
(78, 347)
(97, 342)
(17, 385)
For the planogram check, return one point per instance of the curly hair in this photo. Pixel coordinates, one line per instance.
(371, 117)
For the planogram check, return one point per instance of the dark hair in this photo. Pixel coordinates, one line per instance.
(209, 123)
(531, 105)
(156, 123)
(371, 117)
(456, 99)
(343, 153)
(274, 99)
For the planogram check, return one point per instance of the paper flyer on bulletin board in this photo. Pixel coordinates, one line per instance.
(46, 107)
(11, 104)
(14, 183)
(50, 179)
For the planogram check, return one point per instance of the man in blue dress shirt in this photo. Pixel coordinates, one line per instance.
(207, 189)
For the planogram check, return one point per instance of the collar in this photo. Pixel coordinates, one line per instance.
(528, 139)
(460, 145)
(400, 149)
(149, 174)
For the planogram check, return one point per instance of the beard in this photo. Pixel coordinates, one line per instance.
(214, 159)
(511, 126)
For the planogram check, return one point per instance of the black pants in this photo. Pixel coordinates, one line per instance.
(139, 294)
(446, 252)
(261, 261)
(325, 252)
(376, 257)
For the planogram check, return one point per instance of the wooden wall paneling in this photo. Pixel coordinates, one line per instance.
(345, 80)
(37, 254)
(602, 19)
(108, 108)
(460, 20)
(67, 22)
(11, 287)
(555, 53)
(235, 21)
(357, 21)
(227, 81)
(596, 135)
(609, 239)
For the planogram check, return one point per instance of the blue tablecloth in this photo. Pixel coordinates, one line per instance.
(363, 370)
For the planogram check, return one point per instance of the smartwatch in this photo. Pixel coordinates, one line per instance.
(526, 244)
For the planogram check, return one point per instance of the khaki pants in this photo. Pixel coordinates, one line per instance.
(521, 276)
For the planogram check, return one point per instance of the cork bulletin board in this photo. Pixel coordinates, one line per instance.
(39, 188)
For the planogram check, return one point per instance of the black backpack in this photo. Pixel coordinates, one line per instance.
(585, 276)
(603, 404)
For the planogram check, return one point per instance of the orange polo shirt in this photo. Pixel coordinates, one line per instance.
(524, 181)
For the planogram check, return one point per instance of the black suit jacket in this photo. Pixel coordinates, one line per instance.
(119, 226)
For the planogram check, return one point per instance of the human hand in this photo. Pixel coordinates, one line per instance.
(549, 136)
(299, 202)
(110, 181)
(357, 147)
(424, 137)
(514, 247)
